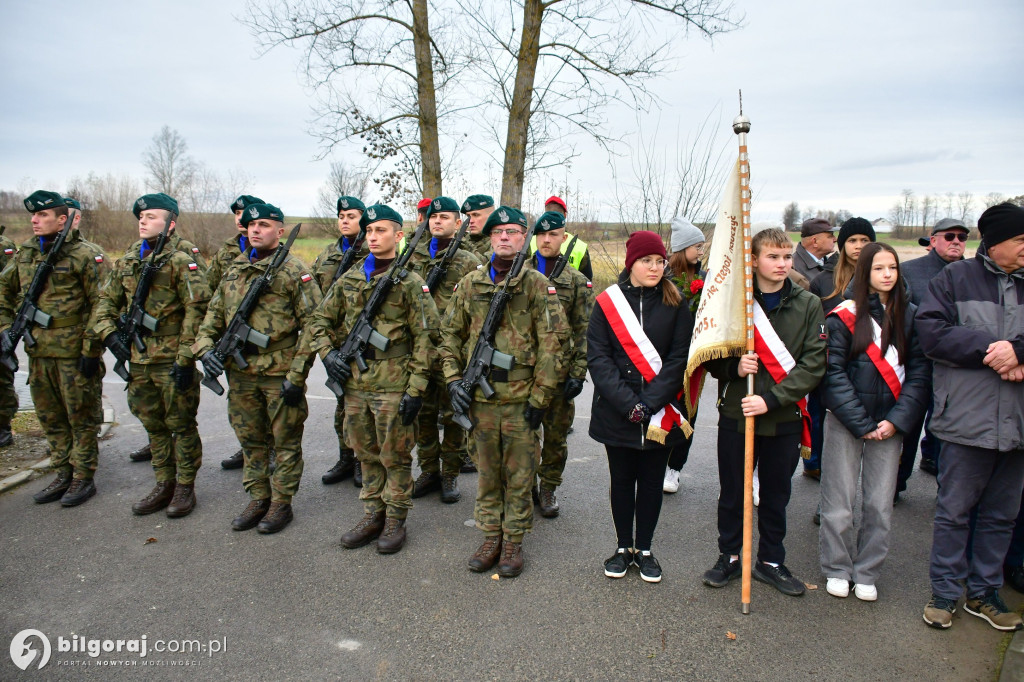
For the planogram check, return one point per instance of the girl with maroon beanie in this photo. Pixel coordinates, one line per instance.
(645, 309)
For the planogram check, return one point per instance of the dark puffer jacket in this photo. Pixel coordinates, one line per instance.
(854, 390)
(618, 385)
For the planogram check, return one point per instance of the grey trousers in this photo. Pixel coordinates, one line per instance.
(993, 481)
(846, 553)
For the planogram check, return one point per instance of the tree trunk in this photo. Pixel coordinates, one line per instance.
(430, 148)
(512, 176)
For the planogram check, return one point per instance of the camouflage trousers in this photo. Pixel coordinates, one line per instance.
(257, 414)
(557, 420)
(339, 423)
(373, 428)
(434, 454)
(8, 396)
(70, 410)
(169, 417)
(506, 450)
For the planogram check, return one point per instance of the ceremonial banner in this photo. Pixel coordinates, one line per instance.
(719, 330)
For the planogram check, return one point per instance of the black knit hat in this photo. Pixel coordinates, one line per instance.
(855, 226)
(1001, 222)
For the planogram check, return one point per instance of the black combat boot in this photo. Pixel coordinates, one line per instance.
(235, 461)
(450, 489)
(143, 454)
(80, 490)
(342, 470)
(357, 473)
(56, 489)
(548, 503)
(251, 515)
(467, 464)
(426, 484)
(6, 437)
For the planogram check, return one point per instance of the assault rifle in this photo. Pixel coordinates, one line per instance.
(563, 259)
(438, 272)
(29, 314)
(350, 256)
(238, 333)
(485, 355)
(133, 324)
(362, 333)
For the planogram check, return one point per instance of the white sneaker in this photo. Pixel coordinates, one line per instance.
(865, 592)
(671, 484)
(757, 489)
(838, 587)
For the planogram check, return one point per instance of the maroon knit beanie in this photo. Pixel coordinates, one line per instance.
(643, 243)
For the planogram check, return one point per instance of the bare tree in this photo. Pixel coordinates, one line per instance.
(929, 207)
(395, 49)
(965, 206)
(168, 163)
(342, 180)
(791, 215)
(993, 198)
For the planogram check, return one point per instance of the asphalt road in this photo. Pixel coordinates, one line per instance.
(296, 605)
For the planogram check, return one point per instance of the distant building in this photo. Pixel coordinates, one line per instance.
(881, 225)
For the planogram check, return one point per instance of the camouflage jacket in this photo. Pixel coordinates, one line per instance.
(7, 251)
(576, 294)
(222, 260)
(190, 250)
(177, 299)
(464, 262)
(70, 296)
(408, 318)
(326, 264)
(284, 310)
(480, 244)
(531, 331)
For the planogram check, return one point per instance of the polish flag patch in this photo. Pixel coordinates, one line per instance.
(426, 289)
(552, 290)
(306, 277)
(99, 259)
(8, 252)
(193, 266)
(590, 285)
(195, 249)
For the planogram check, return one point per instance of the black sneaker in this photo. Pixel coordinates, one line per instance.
(650, 569)
(780, 577)
(1014, 576)
(617, 565)
(723, 571)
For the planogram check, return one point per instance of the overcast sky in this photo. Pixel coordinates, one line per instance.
(850, 102)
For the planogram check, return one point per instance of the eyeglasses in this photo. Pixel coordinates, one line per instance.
(653, 263)
(959, 236)
(500, 231)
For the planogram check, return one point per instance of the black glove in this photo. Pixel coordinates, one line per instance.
(461, 399)
(640, 413)
(7, 343)
(291, 394)
(184, 376)
(573, 387)
(534, 416)
(88, 366)
(409, 407)
(336, 367)
(117, 346)
(211, 365)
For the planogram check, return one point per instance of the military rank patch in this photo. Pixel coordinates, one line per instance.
(552, 290)
(305, 277)
(590, 285)
(426, 289)
(99, 259)
(193, 266)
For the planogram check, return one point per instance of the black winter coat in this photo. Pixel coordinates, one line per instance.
(855, 391)
(618, 385)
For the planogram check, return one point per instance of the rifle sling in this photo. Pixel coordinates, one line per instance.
(503, 376)
(280, 344)
(62, 322)
(396, 351)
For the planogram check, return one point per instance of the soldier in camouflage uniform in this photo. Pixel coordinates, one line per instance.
(219, 264)
(327, 269)
(65, 365)
(505, 439)
(163, 392)
(478, 208)
(268, 397)
(381, 404)
(8, 396)
(575, 295)
(440, 461)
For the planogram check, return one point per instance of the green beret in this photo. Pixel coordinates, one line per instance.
(476, 202)
(504, 215)
(245, 200)
(256, 211)
(551, 220)
(40, 200)
(72, 203)
(345, 203)
(148, 202)
(379, 212)
(441, 205)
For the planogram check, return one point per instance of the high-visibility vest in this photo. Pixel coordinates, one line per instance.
(578, 251)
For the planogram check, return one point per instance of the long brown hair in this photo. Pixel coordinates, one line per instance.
(682, 267)
(843, 273)
(893, 332)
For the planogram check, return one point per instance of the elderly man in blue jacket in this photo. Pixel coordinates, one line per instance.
(971, 323)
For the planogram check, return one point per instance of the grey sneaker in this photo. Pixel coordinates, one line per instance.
(939, 612)
(991, 608)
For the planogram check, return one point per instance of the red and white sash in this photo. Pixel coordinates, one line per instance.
(893, 373)
(642, 353)
(779, 362)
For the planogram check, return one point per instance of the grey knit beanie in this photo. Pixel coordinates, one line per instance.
(684, 234)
